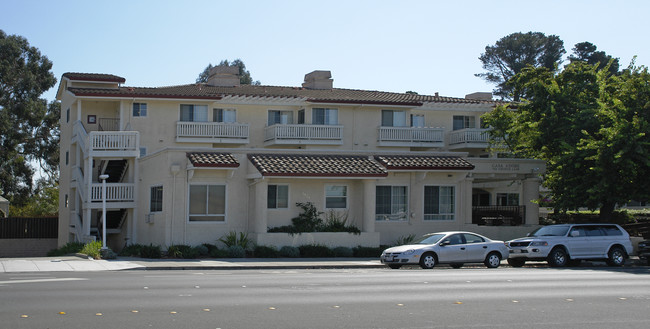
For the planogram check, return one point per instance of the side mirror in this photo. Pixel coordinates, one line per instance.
(574, 233)
(444, 243)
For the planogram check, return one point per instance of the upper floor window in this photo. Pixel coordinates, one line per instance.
(156, 199)
(280, 117)
(391, 203)
(323, 116)
(417, 120)
(139, 109)
(392, 118)
(439, 203)
(224, 115)
(463, 122)
(196, 113)
(336, 196)
(67, 115)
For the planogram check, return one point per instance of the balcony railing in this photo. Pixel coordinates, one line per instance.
(498, 215)
(304, 134)
(411, 136)
(107, 143)
(213, 132)
(468, 136)
(115, 192)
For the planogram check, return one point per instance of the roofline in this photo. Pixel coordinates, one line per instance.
(140, 95)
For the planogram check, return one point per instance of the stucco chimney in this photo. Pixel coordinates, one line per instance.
(480, 96)
(224, 76)
(318, 80)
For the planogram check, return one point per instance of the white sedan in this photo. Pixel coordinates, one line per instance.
(454, 248)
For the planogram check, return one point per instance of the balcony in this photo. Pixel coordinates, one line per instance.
(411, 136)
(118, 195)
(107, 143)
(469, 138)
(303, 134)
(212, 132)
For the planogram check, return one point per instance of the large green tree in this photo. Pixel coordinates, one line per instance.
(587, 52)
(27, 122)
(512, 53)
(591, 127)
(244, 76)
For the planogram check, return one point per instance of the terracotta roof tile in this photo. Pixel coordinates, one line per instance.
(93, 77)
(422, 162)
(317, 165)
(210, 159)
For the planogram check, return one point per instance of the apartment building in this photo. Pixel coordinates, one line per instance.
(187, 164)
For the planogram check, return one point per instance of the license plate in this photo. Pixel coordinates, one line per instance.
(388, 258)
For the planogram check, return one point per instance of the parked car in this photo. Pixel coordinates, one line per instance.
(644, 251)
(455, 248)
(568, 244)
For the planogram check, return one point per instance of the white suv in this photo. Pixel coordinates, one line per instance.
(568, 244)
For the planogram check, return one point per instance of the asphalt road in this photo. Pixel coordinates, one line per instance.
(356, 298)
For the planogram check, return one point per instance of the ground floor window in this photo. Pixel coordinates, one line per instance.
(507, 199)
(439, 203)
(207, 203)
(391, 203)
(278, 196)
(336, 197)
(156, 199)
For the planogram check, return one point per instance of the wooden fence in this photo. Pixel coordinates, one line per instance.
(29, 228)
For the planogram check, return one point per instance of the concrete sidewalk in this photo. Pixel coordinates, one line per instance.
(75, 263)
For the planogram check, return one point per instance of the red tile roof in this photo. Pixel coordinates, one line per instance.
(93, 77)
(317, 165)
(423, 162)
(211, 159)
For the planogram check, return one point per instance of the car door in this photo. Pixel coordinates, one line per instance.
(578, 243)
(452, 249)
(476, 248)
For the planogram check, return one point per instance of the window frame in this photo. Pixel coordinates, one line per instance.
(207, 214)
(468, 122)
(141, 110)
(154, 200)
(193, 111)
(419, 117)
(345, 196)
(289, 120)
(268, 200)
(400, 123)
(508, 199)
(393, 216)
(222, 117)
(440, 215)
(330, 116)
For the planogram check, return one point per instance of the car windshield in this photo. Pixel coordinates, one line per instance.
(551, 231)
(429, 239)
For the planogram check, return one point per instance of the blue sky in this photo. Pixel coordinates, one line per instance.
(423, 46)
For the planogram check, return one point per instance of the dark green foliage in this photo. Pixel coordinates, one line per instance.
(202, 250)
(219, 253)
(236, 252)
(290, 252)
(315, 251)
(132, 250)
(586, 52)
(266, 252)
(68, 248)
(182, 251)
(309, 220)
(150, 251)
(235, 239)
(244, 76)
(368, 251)
(408, 239)
(343, 252)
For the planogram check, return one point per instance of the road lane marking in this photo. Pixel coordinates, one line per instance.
(42, 280)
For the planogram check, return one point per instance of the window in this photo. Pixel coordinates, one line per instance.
(391, 203)
(507, 199)
(195, 113)
(67, 157)
(207, 203)
(325, 116)
(336, 196)
(462, 122)
(280, 117)
(139, 109)
(390, 118)
(301, 117)
(143, 151)
(156, 199)
(417, 120)
(278, 196)
(224, 115)
(67, 115)
(66, 201)
(439, 203)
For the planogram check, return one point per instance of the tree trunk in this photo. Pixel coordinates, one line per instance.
(606, 211)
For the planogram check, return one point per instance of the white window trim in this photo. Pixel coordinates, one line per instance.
(288, 197)
(139, 113)
(445, 214)
(347, 197)
(408, 205)
(162, 201)
(215, 222)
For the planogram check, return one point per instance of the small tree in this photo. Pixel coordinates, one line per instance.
(244, 76)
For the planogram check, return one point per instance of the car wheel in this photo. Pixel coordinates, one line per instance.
(428, 261)
(616, 257)
(393, 266)
(456, 265)
(493, 260)
(558, 257)
(516, 262)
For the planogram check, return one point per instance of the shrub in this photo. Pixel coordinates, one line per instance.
(408, 239)
(236, 252)
(309, 220)
(218, 253)
(150, 251)
(315, 251)
(132, 250)
(291, 252)
(92, 249)
(202, 250)
(182, 251)
(368, 251)
(343, 252)
(336, 222)
(210, 247)
(266, 252)
(234, 239)
(107, 253)
(68, 248)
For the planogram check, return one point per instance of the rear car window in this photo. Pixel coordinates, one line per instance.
(611, 230)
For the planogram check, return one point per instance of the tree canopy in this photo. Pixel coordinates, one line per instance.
(28, 125)
(512, 53)
(244, 76)
(590, 126)
(586, 52)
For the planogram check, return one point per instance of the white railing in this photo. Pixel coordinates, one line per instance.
(308, 132)
(114, 140)
(115, 192)
(411, 134)
(79, 133)
(212, 129)
(468, 135)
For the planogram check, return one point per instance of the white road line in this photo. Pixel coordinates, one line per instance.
(42, 280)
